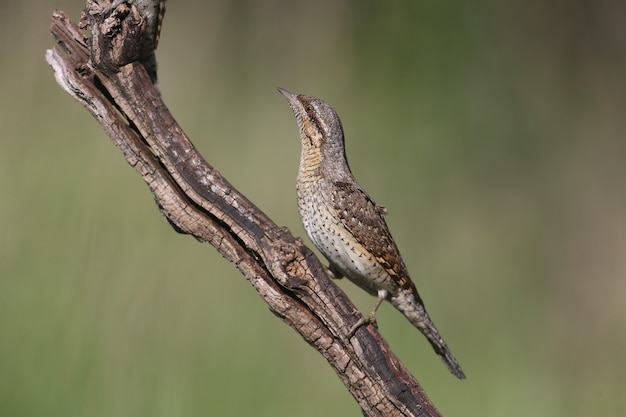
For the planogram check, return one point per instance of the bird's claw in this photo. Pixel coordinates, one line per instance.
(367, 319)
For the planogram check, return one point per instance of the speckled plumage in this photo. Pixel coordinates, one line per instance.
(347, 226)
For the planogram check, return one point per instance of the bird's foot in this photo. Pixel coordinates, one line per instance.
(367, 319)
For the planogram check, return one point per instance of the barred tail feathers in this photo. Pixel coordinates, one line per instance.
(415, 312)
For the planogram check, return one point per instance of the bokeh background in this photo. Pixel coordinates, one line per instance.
(494, 132)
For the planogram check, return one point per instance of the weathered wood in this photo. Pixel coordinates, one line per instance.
(198, 201)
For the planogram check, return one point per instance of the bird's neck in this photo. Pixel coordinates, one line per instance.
(330, 165)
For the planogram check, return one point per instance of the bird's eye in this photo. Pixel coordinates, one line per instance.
(308, 108)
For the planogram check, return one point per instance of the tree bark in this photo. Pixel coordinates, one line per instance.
(103, 75)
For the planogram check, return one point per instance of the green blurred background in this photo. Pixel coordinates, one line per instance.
(494, 132)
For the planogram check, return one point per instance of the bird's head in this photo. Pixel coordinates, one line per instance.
(320, 128)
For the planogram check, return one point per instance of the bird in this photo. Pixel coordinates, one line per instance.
(348, 227)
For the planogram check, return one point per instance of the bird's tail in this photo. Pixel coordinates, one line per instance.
(415, 312)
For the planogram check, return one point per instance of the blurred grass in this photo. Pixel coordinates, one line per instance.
(494, 133)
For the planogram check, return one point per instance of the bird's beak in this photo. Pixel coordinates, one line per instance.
(291, 98)
(296, 106)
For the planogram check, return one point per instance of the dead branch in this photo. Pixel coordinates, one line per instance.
(198, 201)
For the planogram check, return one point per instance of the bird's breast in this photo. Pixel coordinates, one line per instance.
(328, 232)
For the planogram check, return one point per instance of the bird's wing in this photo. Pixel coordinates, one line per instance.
(363, 218)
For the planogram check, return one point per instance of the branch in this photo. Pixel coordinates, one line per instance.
(197, 200)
